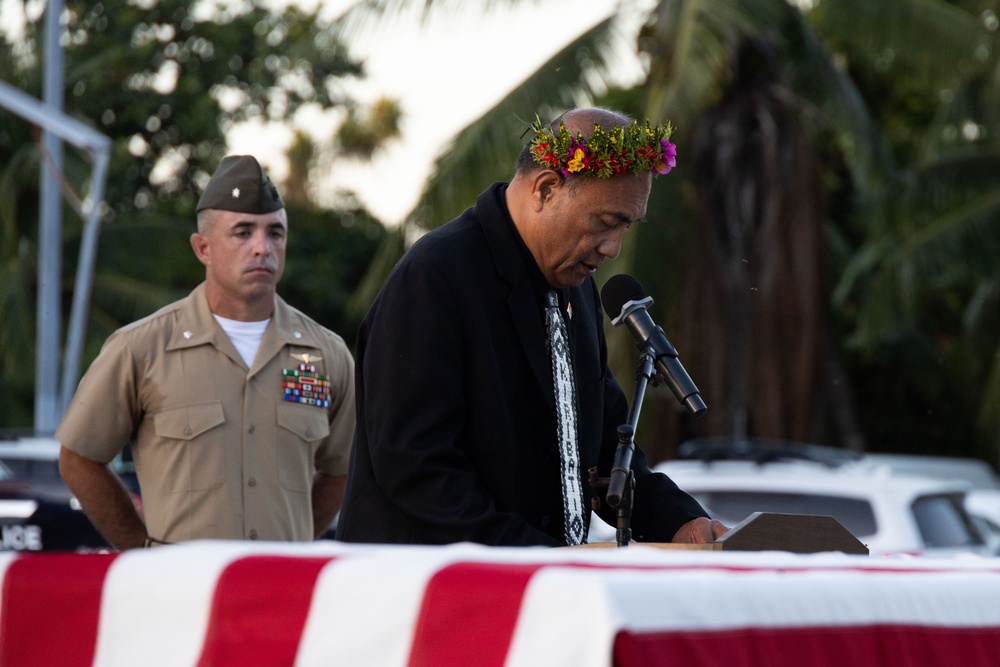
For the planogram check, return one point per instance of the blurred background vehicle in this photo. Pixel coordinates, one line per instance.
(982, 500)
(984, 505)
(889, 510)
(38, 512)
(978, 473)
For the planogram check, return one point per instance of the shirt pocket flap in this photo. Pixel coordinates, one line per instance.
(188, 421)
(308, 423)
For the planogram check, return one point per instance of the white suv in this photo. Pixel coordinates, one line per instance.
(888, 511)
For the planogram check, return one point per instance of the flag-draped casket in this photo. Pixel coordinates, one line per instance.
(326, 603)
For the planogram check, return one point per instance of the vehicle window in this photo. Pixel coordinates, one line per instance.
(943, 522)
(731, 507)
(32, 468)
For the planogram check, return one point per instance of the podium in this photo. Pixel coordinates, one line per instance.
(773, 531)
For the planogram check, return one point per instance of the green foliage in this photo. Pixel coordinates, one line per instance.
(186, 81)
(900, 101)
(360, 135)
(166, 80)
(328, 256)
(484, 152)
(914, 292)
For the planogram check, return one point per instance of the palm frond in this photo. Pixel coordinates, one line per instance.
(943, 42)
(936, 227)
(121, 298)
(484, 152)
(691, 42)
(391, 249)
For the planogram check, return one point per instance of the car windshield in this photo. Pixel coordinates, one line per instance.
(943, 522)
(731, 507)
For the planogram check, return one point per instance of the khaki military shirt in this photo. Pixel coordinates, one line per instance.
(218, 451)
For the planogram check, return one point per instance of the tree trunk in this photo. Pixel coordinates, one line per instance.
(754, 308)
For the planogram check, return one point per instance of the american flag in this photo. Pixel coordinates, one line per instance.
(326, 603)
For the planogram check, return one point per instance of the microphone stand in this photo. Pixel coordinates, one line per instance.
(621, 484)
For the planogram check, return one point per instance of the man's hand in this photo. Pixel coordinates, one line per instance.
(700, 531)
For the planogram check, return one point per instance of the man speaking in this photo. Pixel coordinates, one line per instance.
(483, 390)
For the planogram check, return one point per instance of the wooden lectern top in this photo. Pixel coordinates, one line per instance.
(772, 531)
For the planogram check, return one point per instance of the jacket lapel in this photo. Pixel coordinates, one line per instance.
(522, 303)
(531, 331)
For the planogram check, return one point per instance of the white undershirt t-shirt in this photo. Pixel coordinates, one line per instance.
(246, 336)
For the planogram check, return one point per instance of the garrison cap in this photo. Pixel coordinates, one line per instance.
(240, 185)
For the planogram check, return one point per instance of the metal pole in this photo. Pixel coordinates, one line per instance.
(98, 147)
(84, 281)
(47, 318)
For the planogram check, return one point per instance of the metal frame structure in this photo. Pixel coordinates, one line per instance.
(52, 397)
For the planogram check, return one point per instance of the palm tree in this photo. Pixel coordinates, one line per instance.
(695, 49)
(770, 109)
(757, 90)
(923, 275)
(169, 131)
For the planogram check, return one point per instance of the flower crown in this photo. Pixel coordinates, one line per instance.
(623, 150)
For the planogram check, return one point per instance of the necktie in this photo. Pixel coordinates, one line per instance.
(565, 395)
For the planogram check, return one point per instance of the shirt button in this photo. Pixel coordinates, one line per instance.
(252, 482)
(253, 534)
(187, 430)
(251, 429)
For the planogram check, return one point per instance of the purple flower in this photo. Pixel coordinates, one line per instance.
(669, 157)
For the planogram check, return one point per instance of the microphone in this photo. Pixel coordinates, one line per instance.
(624, 295)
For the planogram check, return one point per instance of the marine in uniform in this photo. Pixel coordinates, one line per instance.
(239, 409)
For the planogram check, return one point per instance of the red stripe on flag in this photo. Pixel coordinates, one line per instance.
(259, 611)
(468, 614)
(828, 646)
(51, 609)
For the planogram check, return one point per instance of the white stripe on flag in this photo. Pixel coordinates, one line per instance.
(366, 604)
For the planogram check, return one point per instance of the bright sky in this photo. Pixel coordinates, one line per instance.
(445, 72)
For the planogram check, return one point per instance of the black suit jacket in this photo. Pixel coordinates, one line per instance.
(456, 429)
